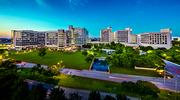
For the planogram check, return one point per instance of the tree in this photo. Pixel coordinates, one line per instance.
(89, 58)
(57, 94)
(7, 79)
(84, 53)
(94, 95)
(38, 92)
(109, 97)
(20, 90)
(74, 96)
(33, 70)
(8, 64)
(121, 97)
(42, 52)
(2, 51)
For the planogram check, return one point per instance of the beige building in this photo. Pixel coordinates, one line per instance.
(123, 36)
(106, 34)
(160, 39)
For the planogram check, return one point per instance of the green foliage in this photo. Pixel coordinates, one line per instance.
(8, 64)
(42, 52)
(7, 79)
(38, 92)
(89, 58)
(94, 95)
(177, 57)
(145, 48)
(150, 61)
(20, 89)
(175, 43)
(170, 58)
(2, 51)
(74, 96)
(142, 87)
(57, 94)
(109, 97)
(84, 53)
(87, 46)
(121, 97)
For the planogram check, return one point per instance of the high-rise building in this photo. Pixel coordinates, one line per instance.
(123, 35)
(79, 36)
(106, 34)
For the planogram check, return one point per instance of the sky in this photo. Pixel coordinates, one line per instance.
(41, 15)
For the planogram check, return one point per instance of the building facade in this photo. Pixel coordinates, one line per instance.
(106, 34)
(123, 36)
(175, 38)
(160, 39)
(51, 39)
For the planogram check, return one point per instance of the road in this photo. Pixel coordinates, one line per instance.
(159, 82)
(173, 68)
(83, 93)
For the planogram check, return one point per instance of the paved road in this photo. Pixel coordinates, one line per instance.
(169, 83)
(83, 93)
(173, 68)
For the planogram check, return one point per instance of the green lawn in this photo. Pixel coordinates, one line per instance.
(3, 47)
(70, 59)
(134, 71)
(89, 84)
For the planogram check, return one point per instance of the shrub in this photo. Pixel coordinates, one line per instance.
(84, 53)
(94, 95)
(121, 97)
(109, 97)
(142, 87)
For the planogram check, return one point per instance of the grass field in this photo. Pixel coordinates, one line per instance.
(90, 84)
(134, 71)
(3, 47)
(70, 59)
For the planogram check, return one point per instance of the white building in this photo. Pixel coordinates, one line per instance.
(156, 39)
(175, 38)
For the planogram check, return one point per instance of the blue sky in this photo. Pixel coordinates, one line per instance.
(141, 15)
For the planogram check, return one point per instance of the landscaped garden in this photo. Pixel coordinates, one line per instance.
(70, 59)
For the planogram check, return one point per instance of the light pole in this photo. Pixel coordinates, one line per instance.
(164, 77)
(176, 88)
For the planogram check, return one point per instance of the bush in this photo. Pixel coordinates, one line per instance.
(84, 53)
(142, 87)
(74, 96)
(94, 95)
(121, 97)
(109, 97)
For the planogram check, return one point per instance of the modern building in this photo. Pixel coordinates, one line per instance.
(160, 39)
(51, 39)
(175, 38)
(27, 38)
(106, 34)
(123, 36)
